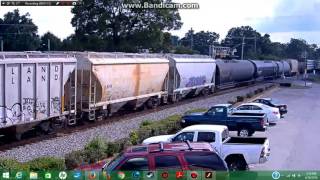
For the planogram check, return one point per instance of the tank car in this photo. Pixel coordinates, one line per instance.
(229, 73)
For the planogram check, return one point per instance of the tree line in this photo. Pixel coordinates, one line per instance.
(104, 25)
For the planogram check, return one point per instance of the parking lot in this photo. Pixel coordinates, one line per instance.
(294, 140)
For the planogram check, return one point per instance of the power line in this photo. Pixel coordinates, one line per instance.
(17, 25)
(14, 33)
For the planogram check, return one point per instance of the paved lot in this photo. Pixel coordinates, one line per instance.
(295, 140)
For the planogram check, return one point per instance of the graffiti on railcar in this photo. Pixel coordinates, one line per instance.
(55, 105)
(28, 106)
(11, 114)
(196, 81)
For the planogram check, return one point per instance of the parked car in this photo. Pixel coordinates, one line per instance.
(167, 156)
(237, 152)
(273, 103)
(221, 114)
(273, 114)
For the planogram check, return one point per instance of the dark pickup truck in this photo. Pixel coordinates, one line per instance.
(245, 124)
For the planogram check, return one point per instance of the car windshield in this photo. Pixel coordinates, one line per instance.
(274, 101)
(112, 165)
(224, 135)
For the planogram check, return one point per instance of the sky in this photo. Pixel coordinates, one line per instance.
(282, 19)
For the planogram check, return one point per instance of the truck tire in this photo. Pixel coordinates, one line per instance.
(244, 132)
(237, 163)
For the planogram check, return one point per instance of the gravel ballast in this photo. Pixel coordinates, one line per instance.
(60, 146)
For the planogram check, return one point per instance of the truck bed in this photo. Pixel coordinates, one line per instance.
(238, 140)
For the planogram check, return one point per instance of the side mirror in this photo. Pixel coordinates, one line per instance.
(104, 167)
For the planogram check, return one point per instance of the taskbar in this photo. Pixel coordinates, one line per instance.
(158, 175)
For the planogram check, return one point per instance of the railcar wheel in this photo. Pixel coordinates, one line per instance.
(205, 92)
(153, 103)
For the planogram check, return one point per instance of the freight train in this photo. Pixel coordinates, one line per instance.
(40, 89)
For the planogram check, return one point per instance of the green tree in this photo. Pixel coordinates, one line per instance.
(18, 32)
(200, 41)
(123, 29)
(55, 42)
(296, 47)
(253, 41)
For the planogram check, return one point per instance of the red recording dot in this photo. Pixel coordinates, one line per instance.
(194, 175)
(165, 175)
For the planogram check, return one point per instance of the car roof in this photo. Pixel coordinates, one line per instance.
(223, 105)
(167, 147)
(254, 104)
(205, 127)
(267, 99)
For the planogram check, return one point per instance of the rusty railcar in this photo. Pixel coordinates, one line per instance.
(108, 82)
(190, 75)
(294, 66)
(34, 88)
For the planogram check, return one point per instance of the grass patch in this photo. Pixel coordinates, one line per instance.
(38, 164)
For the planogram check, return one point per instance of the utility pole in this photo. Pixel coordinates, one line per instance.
(255, 44)
(243, 43)
(191, 39)
(304, 55)
(1, 43)
(242, 48)
(48, 44)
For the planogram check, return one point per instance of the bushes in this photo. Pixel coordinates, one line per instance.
(39, 164)
(9, 164)
(249, 95)
(46, 163)
(74, 159)
(96, 150)
(240, 98)
(145, 123)
(166, 126)
(260, 90)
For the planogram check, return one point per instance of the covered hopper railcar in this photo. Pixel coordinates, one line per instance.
(35, 88)
(109, 81)
(190, 75)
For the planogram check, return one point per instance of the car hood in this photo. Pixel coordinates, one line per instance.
(157, 139)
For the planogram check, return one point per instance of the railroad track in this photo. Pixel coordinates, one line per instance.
(6, 144)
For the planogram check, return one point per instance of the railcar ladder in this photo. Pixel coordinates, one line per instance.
(72, 119)
(92, 100)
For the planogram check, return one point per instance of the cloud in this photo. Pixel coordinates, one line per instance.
(292, 16)
(54, 19)
(221, 15)
(312, 37)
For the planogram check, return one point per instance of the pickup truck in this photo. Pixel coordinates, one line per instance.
(245, 123)
(237, 152)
